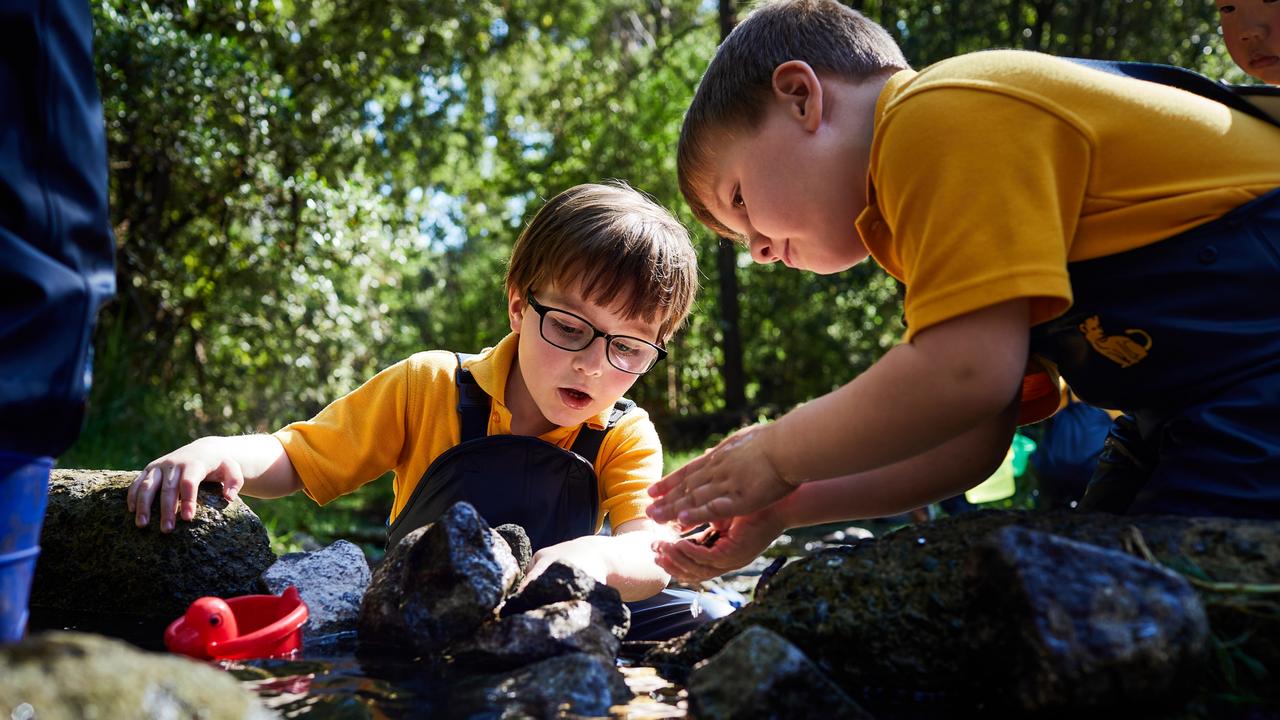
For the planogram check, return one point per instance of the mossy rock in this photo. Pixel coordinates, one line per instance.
(72, 676)
(93, 559)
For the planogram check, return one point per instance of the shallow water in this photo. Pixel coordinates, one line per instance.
(333, 682)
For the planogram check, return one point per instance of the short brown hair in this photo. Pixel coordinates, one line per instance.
(625, 249)
(732, 95)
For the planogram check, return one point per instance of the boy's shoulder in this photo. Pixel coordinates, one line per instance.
(431, 364)
(1013, 72)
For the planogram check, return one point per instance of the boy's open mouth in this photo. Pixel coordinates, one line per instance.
(1261, 61)
(575, 399)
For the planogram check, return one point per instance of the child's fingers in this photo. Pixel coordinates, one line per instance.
(143, 491)
(169, 477)
(189, 478)
(681, 563)
(232, 480)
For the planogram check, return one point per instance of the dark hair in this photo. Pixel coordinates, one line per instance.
(733, 92)
(620, 246)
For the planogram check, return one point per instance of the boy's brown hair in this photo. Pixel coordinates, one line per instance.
(734, 90)
(626, 250)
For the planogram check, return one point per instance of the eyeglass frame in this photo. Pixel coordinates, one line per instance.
(542, 311)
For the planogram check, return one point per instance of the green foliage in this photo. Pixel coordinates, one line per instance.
(304, 193)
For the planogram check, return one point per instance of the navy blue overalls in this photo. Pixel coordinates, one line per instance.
(1184, 336)
(551, 492)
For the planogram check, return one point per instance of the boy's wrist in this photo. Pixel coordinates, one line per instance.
(770, 443)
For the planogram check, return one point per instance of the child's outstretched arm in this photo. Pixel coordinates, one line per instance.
(256, 465)
(952, 377)
(941, 472)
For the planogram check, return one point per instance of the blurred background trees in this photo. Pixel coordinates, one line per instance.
(306, 192)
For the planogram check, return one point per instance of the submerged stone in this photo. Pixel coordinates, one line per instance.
(759, 674)
(573, 626)
(571, 685)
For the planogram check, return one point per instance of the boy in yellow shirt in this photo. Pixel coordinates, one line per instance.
(1045, 218)
(506, 430)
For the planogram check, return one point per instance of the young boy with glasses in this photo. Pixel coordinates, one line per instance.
(532, 431)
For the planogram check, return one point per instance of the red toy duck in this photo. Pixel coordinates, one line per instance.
(249, 626)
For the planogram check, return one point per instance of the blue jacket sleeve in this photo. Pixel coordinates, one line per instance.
(56, 247)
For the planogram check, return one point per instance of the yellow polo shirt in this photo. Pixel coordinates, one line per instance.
(406, 416)
(989, 172)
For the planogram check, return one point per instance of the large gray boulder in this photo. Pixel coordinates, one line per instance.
(1085, 626)
(89, 541)
(438, 584)
(72, 676)
(912, 606)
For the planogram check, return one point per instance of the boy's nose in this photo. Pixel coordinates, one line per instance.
(591, 360)
(762, 249)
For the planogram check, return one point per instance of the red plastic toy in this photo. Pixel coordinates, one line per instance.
(239, 628)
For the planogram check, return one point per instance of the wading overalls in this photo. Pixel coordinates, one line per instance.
(1184, 336)
(551, 492)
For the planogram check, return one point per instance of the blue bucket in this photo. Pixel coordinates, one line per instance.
(24, 490)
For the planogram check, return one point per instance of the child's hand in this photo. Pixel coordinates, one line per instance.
(736, 477)
(177, 476)
(726, 545)
(581, 553)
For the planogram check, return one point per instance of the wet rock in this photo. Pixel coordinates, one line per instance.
(573, 626)
(1085, 626)
(576, 685)
(332, 581)
(68, 676)
(89, 540)
(759, 674)
(904, 603)
(438, 584)
(561, 582)
(518, 540)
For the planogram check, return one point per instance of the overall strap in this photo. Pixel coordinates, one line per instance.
(589, 439)
(1234, 97)
(473, 402)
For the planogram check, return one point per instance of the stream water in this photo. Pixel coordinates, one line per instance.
(335, 682)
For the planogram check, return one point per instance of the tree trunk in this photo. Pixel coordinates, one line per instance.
(735, 396)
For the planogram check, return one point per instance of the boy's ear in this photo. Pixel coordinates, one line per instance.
(797, 86)
(515, 308)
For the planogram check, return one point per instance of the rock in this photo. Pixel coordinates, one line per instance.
(332, 582)
(556, 629)
(518, 540)
(759, 674)
(561, 582)
(1084, 626)
(61, 675)
(89, 540)
(438, 584)
(904, 603)
(572, 685)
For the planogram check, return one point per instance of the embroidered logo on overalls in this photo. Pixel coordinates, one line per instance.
(1123, 350)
